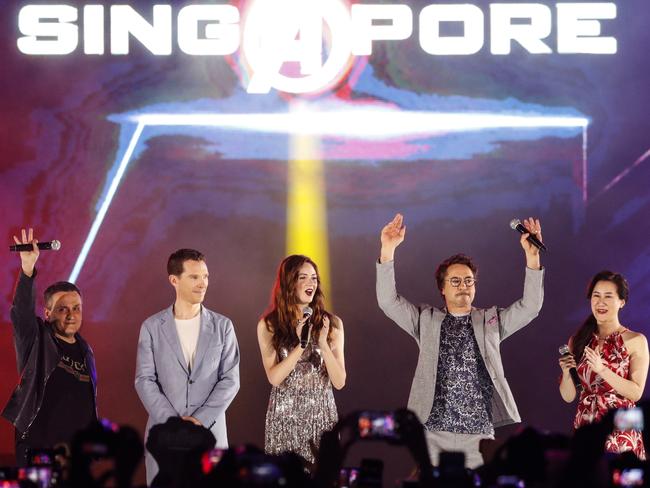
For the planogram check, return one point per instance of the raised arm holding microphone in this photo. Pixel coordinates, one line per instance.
(57, 391)
(459, 391)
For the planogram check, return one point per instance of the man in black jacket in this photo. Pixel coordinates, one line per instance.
(57, 390)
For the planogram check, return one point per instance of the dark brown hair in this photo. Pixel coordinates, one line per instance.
(56, 288)
(176, 260)
(583, 335)
(441, 271)
(281, 313)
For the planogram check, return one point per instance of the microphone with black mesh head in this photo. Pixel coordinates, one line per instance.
(306, 328)
(565, 351)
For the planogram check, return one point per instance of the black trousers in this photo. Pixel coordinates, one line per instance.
(22, 447)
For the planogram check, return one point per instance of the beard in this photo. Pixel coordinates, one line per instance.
(463, 299)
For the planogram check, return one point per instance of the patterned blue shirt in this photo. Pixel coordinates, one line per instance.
(463, 394)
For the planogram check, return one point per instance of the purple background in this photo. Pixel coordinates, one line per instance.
(224, 192)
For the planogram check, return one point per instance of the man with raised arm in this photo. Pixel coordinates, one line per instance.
(188, 357)
(459, 391)
(56, 395)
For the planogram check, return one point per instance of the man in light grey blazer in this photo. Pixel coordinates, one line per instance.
(459, 391)
(188, 357)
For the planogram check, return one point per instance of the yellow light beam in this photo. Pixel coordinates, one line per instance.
(306, 206)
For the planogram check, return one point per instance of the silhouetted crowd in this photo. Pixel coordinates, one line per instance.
(106, 455)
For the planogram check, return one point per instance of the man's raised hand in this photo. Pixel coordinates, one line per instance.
(392, 235)
(28, 258)
(532, 253)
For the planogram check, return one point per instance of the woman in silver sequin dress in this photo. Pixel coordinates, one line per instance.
(301, 406)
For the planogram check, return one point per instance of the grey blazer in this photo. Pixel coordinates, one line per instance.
(491, 326)
(167, 388)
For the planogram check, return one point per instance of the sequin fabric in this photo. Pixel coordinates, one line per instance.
(463, 395)
(301, 408)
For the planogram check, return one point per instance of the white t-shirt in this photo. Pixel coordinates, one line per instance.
(188, 333)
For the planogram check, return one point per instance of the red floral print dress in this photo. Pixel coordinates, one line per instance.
(598, 397)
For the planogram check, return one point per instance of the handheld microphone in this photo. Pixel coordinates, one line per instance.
(564, 351)
(306, 328)
(42, 246)
(515, 224)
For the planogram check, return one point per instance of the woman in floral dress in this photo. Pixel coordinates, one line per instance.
(612, 362)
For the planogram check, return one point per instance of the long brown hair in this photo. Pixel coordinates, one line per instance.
(281, 313)
(583, 335)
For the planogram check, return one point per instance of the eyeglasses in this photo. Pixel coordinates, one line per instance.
(456, 281)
